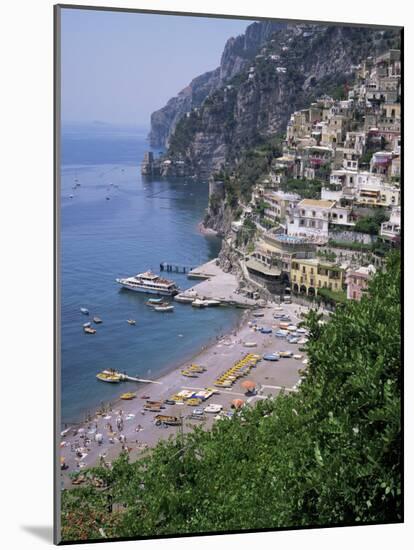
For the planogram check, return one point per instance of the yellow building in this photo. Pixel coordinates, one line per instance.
(307, 276)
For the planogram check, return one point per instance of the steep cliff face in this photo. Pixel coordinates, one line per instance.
(294, 66)
(237, 53)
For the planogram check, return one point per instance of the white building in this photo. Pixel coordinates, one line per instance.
(310, 217)
(391, 229)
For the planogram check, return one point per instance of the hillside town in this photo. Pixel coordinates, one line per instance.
(321, 221)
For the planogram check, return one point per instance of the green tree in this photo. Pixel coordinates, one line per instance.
(329, 454)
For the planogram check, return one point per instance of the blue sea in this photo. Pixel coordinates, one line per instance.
(144, 222)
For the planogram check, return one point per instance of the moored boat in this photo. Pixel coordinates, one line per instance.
(112, 378)
(152, 302)
(97, 320)
(164, 308)
(89, 330)
(149, 283)
(84, 311)
(212, 303)
(184, 299)
(131, 322)
(199, 303)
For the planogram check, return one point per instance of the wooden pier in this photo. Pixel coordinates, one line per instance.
(175, 268)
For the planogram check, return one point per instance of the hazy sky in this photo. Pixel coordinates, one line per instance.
(119, 67)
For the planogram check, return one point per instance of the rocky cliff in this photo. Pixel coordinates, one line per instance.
(237, 53)
(294, 65)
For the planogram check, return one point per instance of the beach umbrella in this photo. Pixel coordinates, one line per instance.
(248, 385)
(237, 403)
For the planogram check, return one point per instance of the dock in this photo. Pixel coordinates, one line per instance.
(142, 380)
(175, 268)
(217, 285)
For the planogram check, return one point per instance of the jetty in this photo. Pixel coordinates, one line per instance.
(124, 377)
(217, 285)
(175, 268)
(134, 379)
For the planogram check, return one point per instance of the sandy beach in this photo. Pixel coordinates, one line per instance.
(127, 426)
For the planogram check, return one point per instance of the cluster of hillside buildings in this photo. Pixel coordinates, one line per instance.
(352, 147)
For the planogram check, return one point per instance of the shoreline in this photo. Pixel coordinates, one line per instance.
(172, 368)
(207, 231)
(139, 432)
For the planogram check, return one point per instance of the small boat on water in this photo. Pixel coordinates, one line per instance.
(89, 330)
(112, 378)
(128, 395)
(258, 314)
(131, 322)
(84, 311)
(164, 308)
(97, 320)
(88, 324)
(152, 302)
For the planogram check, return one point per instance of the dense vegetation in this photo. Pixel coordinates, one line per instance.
(371, 224)
(328, 454)
(307, 189)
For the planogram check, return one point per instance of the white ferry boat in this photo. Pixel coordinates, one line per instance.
(149, 283)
